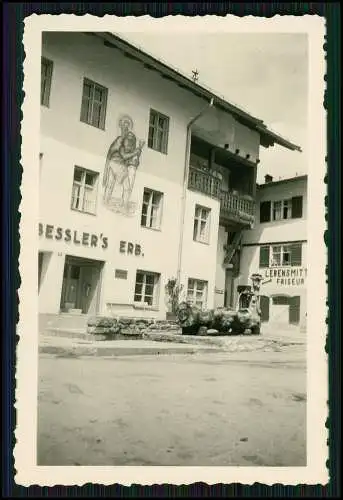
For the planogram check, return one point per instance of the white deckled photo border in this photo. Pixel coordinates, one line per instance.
(27, 471)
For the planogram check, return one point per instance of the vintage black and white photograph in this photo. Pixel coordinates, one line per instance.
(175, 182)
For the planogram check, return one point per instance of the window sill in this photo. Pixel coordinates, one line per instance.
(83, 212)
(158, 151)
(281, 221)
(103, 129)
(145, 308)
(158, 229)
(202, 242)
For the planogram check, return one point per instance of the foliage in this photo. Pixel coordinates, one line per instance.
(173, 290)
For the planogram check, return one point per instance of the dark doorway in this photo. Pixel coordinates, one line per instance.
(264, 306)
(81, 285)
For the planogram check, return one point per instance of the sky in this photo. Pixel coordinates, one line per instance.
(265, 74)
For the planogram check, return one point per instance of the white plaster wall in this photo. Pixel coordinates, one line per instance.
(66, 142)
(199, 259)
(159, 247)
(285, 230)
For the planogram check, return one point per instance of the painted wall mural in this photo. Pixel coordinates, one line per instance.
(122, 161)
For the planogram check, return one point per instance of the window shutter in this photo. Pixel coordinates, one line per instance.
(264, 306)
(296, 255)
(294, 310)
(264, 256)
(265, 211)
(297, 207)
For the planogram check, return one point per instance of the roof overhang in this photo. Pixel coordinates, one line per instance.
(268, 138)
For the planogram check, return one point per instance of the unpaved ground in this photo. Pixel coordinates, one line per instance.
(223, 409)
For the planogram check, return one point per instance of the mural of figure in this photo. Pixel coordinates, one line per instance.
(122, 161)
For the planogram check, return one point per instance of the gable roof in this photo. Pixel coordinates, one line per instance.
(268, 137)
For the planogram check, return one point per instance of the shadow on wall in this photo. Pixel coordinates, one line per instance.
(43, 266)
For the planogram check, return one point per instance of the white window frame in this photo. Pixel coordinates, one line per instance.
(143, 294)
(283, 250)
(152, 220)
(78, 202)
(158, 135)
(283, 205)
(88, 104)
(195, 289)
(201, 221)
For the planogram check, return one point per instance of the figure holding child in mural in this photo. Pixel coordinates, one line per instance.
(122, 161)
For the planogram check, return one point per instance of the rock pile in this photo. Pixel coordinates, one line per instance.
(123, 326)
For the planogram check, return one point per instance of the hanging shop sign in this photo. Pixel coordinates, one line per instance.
(293, 276)
(130, 248)
(51, 232)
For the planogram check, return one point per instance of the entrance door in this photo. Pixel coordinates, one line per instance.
(70, 288)
(81, 284)
(90, 276)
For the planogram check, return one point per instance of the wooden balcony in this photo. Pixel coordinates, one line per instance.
(204, 182)
(233, 207)
(238, 208)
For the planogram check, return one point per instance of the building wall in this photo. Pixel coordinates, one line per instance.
(220, 270)
(292, 229)
(289, 281)
(199, 259)
(66, 142)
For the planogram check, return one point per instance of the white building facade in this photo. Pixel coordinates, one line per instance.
(143, 178)
(277, 249)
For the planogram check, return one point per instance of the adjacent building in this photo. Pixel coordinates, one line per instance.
(144, 176)
(277, 249)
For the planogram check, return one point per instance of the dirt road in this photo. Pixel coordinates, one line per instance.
(244, 409)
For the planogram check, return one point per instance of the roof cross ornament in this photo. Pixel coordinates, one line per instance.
(195, 75)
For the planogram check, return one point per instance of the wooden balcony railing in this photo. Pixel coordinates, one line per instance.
(233, 206)
(204, 182)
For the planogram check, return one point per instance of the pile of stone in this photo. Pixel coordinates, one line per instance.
(126, 327)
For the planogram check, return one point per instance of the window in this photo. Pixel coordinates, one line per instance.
(282, 209)
(84, 190)
(281, 255)
(197, 292)
(151, 209)
(276, 256)
(46, 77)
(201, 224)
(277, 210)
(94, 102)
(158, 132)
(146, 288)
